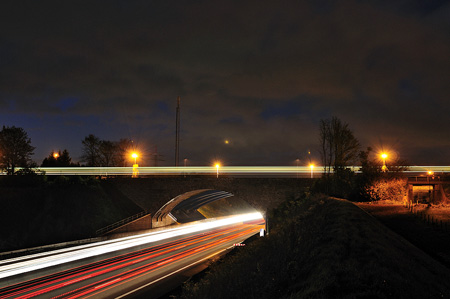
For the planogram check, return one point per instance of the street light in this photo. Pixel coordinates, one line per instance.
(135, 165)
(134, 155)
(217, 169)
(384, 156)
(312, 168)
(55, 155)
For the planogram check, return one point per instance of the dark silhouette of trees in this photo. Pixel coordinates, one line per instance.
(374, 184)
(125, 147)
(338, 145)
(105, 153)
(58, 159)
(15, 149)
(108, 153)
(91, 151)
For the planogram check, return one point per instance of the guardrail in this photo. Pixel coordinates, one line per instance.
(26, 251)
(117, 224)
(429, 179)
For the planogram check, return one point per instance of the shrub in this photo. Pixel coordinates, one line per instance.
(387, 189)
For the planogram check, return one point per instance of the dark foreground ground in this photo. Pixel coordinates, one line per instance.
(433, 239)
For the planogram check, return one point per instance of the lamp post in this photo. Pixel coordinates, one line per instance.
(217, 169)
(134, 155)
(135, 165)
(384, 156)
(311, 166)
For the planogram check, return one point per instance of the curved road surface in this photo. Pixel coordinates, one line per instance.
(120, 267)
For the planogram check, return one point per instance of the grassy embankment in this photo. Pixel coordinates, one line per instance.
(40, 211)
(324, 248)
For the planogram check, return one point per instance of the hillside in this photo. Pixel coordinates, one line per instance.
(57, 211)
(324, 248)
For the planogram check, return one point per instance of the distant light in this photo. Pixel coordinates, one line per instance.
(217, 169)
(227, 141)
(430, 172)
(384, 167)
(311, 166)
(134, 156)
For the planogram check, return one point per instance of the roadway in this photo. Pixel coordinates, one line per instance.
(120, 267)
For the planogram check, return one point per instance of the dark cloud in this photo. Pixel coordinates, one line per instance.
(259, 74)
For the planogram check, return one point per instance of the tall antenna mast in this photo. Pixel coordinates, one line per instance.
(177, 134)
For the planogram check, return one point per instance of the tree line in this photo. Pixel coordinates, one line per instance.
(339, 148)
(16, 151)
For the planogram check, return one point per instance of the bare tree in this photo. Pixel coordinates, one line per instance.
(338, 145)
(91, 146)
(108, 153)
(125, 146)
(15, 149)
(105, 153)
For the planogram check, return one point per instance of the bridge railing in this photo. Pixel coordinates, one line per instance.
(424, 179)
(117, 224)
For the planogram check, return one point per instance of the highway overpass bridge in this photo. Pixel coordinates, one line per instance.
(427, 188)
(181, 209)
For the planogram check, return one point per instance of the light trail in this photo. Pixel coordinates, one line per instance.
(124, 272)
(148, 259)
(16, 266)
(212, 170)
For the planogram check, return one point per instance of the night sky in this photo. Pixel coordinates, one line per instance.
(260, 74)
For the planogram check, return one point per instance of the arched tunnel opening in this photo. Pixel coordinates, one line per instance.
(200, 204)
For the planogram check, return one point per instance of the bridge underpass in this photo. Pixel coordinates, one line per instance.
(184, 208)
(181, 209)
(426, 189)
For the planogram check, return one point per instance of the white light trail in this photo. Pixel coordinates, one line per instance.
(24, 264)
(211, 170)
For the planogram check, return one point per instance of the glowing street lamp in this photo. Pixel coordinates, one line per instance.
(135, 165)
(384, 156)
(217, 169)
(311, 166)
(135, 156)
(55, 155)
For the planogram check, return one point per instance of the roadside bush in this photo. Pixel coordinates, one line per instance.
(387, 189)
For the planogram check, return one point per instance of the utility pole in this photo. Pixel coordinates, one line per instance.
(177, 134)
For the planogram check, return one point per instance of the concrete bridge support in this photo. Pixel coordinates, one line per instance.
(434, 194)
